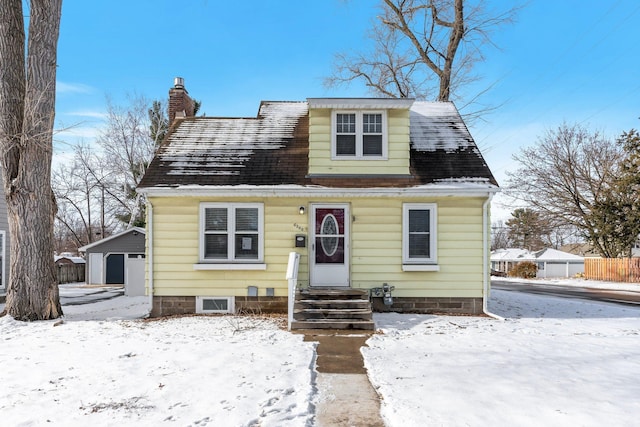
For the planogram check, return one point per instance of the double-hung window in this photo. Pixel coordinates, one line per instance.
(359, 134)
(419, 240)
(231, 233)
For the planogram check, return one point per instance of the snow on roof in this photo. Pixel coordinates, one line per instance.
(438, 125)
(199, 147)
(549, 254)
(461, 188)
(468, 181)
(283, 111)
(73, 259)
(512, 254)
(272, 149)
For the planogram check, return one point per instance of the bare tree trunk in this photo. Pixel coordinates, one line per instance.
(26, 132)
(457, 33)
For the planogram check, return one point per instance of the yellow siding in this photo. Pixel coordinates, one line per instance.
(375, 244)
(176, 240)
(377, 251)
(320, 161)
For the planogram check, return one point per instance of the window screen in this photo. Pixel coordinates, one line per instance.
(419, 233)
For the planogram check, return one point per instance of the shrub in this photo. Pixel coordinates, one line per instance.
(524, 269)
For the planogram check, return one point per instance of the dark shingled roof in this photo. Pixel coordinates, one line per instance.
(272, 149)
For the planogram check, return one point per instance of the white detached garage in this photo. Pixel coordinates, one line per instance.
(555, 263)
(118, 260)
(551, 263)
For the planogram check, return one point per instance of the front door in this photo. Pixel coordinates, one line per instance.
(329, 263)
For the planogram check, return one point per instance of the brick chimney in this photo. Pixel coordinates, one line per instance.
(180, 103)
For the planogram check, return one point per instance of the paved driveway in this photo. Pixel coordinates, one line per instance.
(606, 295)
(80, 293)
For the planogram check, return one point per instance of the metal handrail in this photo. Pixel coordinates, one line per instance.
(292, 277)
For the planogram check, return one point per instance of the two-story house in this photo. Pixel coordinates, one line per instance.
(367, 191)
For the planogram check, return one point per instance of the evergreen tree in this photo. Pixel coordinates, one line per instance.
(526, 229)
(619, 212)
(159, 122)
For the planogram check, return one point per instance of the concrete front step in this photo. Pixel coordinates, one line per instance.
(367, 325)
(331, 308)
(347, 304)
(332, 313)
(326, 293)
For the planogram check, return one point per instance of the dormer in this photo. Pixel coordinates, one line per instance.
(358, 136)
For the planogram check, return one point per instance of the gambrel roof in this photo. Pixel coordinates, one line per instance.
(272, 150)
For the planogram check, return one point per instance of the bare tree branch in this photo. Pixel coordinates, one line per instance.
(425, 49)
(96, 194)
(571, 177)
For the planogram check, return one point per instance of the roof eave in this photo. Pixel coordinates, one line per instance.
(430, 190)
(361, 103)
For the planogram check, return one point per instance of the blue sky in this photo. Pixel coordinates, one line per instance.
(562, 60)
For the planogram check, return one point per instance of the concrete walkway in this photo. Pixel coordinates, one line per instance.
(346, 397)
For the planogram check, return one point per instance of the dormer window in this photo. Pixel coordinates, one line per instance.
(359, 135)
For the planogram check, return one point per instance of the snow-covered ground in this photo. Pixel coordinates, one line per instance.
(552, 362)
(96, 369)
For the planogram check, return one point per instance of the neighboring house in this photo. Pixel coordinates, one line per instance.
(503, 260)
(582, 249)
(588, 251)
(635, 249)
(549, 262)
(118, 260)
(368, 191)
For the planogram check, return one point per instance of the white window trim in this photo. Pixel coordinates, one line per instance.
(420, 267)
(359, 133)
(420, 264)
(208, 265)
(231, 238)
(231, 305)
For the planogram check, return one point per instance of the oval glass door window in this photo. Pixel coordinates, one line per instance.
(329, 231)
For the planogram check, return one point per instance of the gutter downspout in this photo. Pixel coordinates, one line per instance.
(486, 259)
(150, 252)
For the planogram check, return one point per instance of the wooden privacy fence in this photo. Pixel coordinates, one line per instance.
(70, 273)
(612, 269)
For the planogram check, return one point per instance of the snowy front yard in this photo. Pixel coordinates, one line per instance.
(553, 362)
(190, 371)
